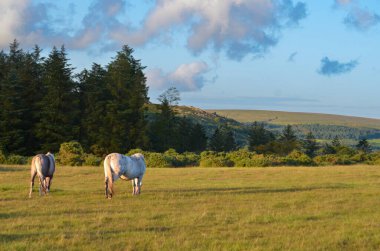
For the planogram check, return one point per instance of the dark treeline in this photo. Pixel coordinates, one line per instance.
(44, 104)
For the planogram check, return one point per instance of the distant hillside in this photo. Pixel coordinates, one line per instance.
(324, 126)
(297, 118)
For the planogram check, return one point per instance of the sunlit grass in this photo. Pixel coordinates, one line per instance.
(283, 208)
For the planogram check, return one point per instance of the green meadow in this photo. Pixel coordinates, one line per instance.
(281, 208)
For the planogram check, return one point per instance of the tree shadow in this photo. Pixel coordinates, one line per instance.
(257, 190)
(11, 169)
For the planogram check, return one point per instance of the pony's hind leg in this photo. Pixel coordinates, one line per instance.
(42, 186)
(133, 186)
(33, 175)
(138, 185)
(106, 187)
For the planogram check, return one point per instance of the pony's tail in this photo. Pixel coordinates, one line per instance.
(108, 174)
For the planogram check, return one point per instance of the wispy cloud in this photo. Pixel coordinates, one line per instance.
(361, 19)
(334, 67)
(187, 77)
(292, 56)
(357, 17)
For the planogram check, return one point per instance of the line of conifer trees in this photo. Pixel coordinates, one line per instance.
(43, 104)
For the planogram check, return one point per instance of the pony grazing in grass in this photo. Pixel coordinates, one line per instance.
(127, 168)
(44, 166)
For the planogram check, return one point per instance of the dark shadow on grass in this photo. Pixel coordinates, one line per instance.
(11, 169)
(14, 237)
(257, 190)
(154, 229)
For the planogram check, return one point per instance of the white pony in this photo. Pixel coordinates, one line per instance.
(118, 166)
(44, 166)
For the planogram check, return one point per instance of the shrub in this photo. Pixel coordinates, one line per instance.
(215, 159)
(92, 160)
(157, 160)
(14, 159)
(261, 160)
(241, 158)
(3, 158)
(298, 158)
(189, 159)
(71, 153)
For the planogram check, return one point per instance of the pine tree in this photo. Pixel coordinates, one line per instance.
(216, 141)
(287, 141)
(125, 112)
(222, 140)
(12, 136)
(197, 138)
(58, 117)
(93, 99)
(163, 129)
(336, 142)
(182, 134)
(310, 145)
(363, 145)
(258, 136)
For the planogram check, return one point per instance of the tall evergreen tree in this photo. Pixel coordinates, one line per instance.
(216, 141)
(125, 112)
(259, 136)
(336, 142)
(93, 99)
(58, 120)
(288, 141)
(222, 140)
(163, 128)
(310, 145)
(363, 145)
(197, 139)
(12, 136)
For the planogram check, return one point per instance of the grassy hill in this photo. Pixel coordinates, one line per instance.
(297, 118)
(324, 126)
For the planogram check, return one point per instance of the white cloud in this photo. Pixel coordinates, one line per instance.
(187, 77)
(239, 27)
(11, 19)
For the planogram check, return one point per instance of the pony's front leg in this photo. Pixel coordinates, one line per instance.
(32, 183)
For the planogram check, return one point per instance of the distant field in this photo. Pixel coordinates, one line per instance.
(282, 208)
(283, 118)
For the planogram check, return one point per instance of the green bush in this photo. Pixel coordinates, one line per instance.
(333, 159)
(3, 157)
(298, 158)
(157, 160)
(91, 160)
(189, 159)
(71, 153)
(261, 160)
(215, 159)
(241, 158)
(14, 159)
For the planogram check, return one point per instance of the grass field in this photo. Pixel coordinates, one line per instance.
(284, 118)
(283, 208)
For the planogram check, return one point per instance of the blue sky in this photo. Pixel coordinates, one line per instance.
(306, 56)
